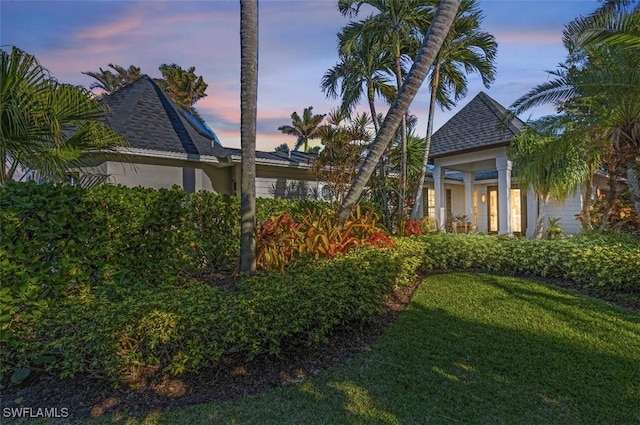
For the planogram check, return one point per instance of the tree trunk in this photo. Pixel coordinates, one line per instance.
(248, 116)
(612, 167)
(542, 214)
(403, 141)
(634, 183)
(585, 214)
(383, 178)
(427, 148)
(431, 44)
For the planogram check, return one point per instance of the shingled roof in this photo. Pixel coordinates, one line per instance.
(481, 124)
(143, 114)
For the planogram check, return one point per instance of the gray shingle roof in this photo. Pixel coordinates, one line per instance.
(143, 114)
(296, 157)
(482, 123)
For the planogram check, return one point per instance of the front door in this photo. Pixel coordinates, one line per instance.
(518, 210)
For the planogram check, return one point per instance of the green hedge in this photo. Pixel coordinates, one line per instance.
(113, 332)
(591, 260)
(91, 279)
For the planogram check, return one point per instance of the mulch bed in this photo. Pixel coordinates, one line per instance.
(235, 378)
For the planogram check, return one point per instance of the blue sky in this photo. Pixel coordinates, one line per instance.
(297, 46)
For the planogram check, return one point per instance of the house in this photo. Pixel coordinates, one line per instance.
(168, 146)
(473, 176)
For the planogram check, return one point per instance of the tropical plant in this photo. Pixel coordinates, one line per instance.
(184, 87)
(46, 125)
(603, 72)
(283, 148)
(431, 44)
(466, 50)
(343, 144)
(110, 82)
(364, 71)
(248, 117)
(397, 24)
(537, 165)
(305, 128)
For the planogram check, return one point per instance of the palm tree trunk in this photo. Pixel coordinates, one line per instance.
(542, 214)
(585, 214)
(403, 139)
(248, 103)
(383, 178)
(426, 55)
(427, 148)
(612, 167)
(634, 183)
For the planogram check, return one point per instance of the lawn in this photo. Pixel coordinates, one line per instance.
(470, 349)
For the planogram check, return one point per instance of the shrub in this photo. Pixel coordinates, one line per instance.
(116, 332)
(589, 260)
(281, 239)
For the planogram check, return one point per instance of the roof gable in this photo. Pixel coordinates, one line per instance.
(482, 123)
(143, 114)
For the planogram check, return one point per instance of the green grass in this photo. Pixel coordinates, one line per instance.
(470, 349)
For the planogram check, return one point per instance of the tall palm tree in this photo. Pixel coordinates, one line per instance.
(45, 125)
(466, 50)
(305, 128)
(364, 72)
(399, 24)
(431, 44)
(110, 82)
(248, 106)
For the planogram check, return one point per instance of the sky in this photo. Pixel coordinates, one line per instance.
(298, 44)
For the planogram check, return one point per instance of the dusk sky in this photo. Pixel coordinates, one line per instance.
(297, 46)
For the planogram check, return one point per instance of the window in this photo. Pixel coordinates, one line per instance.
(430, 204)
(448, 205)
(326, 192)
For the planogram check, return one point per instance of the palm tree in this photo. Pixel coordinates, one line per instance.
(431, 44)
(184, 87)
(365, 71)
(605, 74)
(397, 23)
(465, 50)
(283, 148)
(615, 22)
(538, 164)
(45, 125)
(110, 82)
(249, 102)
(305, 128)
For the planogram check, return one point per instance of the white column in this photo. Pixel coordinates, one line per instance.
(503, 164)
(532, 213)
(438, 184)
(469, 178)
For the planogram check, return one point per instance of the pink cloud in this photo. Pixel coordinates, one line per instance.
(120, 27)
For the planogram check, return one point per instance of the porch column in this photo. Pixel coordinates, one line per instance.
(503, 164)
(469, 178)
(532, 213)
(438, 184)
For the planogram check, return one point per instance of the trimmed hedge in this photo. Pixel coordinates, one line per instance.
(113, 332)
(91, 279)
(611, 262)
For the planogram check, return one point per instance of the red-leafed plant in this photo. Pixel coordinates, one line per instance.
(412, 228)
